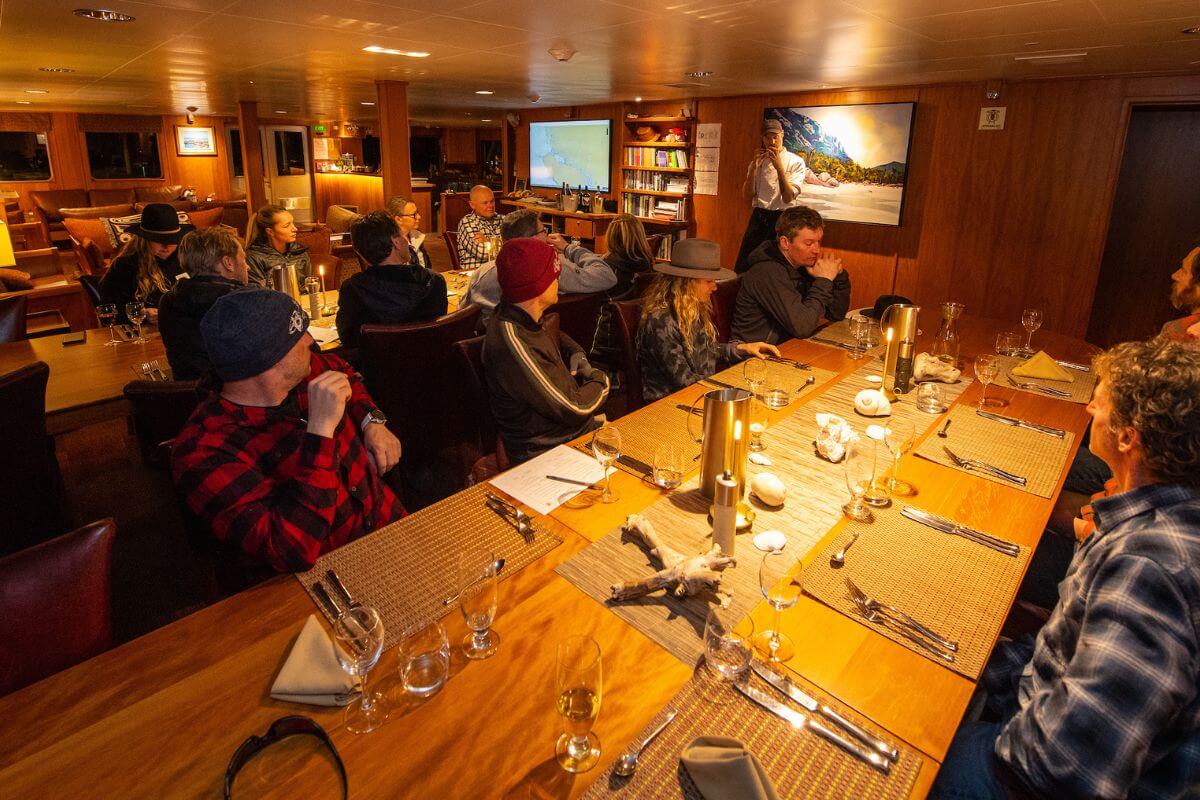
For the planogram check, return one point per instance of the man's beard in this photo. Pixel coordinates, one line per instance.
(1187, 298)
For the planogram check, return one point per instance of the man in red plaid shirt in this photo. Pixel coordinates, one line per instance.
(284, 459)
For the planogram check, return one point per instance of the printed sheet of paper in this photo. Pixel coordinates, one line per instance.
(528, 482)
(708, 134)
(705, 183)
(323, 335)
(708, 159)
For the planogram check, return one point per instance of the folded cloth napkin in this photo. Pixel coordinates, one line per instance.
(1044, 367)
(311, 673)
(723, 769)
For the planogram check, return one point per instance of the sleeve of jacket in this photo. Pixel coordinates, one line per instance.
(586, 271)
(661, 346)
(349, 315)
(775, 292)
(484, 289)
(547, 387)
(839, 305)
(435, 303)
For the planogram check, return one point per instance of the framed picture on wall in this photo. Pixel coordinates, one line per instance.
(856, 158)
(520, 185)
(195, 141)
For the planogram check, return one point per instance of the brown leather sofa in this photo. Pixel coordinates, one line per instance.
(48, 204)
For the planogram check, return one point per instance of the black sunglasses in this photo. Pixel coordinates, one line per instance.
(281, 729)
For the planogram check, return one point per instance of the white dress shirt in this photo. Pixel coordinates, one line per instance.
(766, 183)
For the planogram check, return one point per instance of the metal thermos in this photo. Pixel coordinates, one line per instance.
(283, 279)
(726, 439)
(902, 319)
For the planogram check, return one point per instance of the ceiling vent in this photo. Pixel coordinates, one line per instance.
(1052, 58)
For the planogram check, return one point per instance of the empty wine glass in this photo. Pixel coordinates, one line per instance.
(668, 466)
(578, 680)
(781, 590)
(477, 599)
(899, 436)
(357, 643)
(859, 465)
(424, 658)
(754, 370)
(107, 314)
(136, 312)
(878, 493)
(728, 647)
(860, 330)
(1031, 320)
(606, 446)
(987, 366)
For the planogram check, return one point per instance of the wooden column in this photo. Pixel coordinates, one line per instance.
(392, 105)
(252, 157)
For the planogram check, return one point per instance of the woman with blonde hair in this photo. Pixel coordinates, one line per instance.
(677, 340)
(406, 215)
(148, 264)
(271, 243)
(629, 255)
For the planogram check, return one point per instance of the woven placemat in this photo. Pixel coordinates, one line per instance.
(406, 569)
(799, 763)
(782, 376)
(839, 400)
(1034, 456)
(840, 332)
(1080, 388)
(651, 427)
(954, 586)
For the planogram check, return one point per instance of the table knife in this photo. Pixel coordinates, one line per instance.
(1020, 423)
(834, 342)
(800, 722)
(788, 361)
(634, 463)
(1074, 365)
(690, 409)
(340, 588)
(785, 685)
(720, 384)
(949, 526)
(327, 601)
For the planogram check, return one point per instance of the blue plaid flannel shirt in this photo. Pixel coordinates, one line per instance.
(470, 252)
(1108, 705)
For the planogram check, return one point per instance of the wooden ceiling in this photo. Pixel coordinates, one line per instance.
(305, 57)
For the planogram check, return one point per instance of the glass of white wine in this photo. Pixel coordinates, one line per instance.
(107, 314)
(668, 466)
(477, 599)
(577, 691)
(987, 367)
(781, 590)
(758, 425)
(859, 463)
(606, 446)
(136, 311)
(1031, 320)
(899, 436)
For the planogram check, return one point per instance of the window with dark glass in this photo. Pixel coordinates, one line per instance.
(235, 152)
(123, 155)
(23, 156)
(371, 158)
(289, 153)
(425, 153)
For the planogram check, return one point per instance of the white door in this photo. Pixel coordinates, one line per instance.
(289, 183)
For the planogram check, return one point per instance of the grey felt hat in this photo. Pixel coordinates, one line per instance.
(696, 258)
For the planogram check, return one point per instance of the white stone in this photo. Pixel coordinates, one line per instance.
(768, 488)
(768, 541)
(760, 459)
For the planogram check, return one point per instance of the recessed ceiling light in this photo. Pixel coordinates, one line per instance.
(1192, 31)
(55, 69)
(387, 51)
(484, 91)
(103, 15)
(700, 73)
(637, 99)
(281, 112)
(366, 103)
(24, 102)
(485, 120)
(36, 91)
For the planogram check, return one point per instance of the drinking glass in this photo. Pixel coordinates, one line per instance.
(929, 398)
(668, 466)
(727, 652)
(577, 691)
(860, 330)
(859, 464)
(758, 425)
(776, 398)
(107, 314)
(878, 493)
(357, 643)
(781, 591)
(987, 366)
(1031, 320)
(424, 658)
(477, 599)
(754, 370)
(136, 311)
(606, 446)
(899, 436)
(1008, 343)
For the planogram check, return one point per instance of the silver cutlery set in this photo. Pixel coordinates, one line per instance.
(975, 465)
(514, 516)
(1033, 387)
(1057, 433)
(150, 371)
(950, 526)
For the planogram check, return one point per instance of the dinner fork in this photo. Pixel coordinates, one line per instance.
(863, 598)
(154, 365)
(882, 621)
(970, 464)
(518, 518)
(1033, 387)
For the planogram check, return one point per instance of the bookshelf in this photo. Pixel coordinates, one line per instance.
(656, 176)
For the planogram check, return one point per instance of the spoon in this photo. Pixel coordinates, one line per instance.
(838, 559)
(942, 432)
(627, 764)
(811, 380)
(497, 565)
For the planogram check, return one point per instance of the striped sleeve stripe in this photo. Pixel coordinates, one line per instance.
(514, 343)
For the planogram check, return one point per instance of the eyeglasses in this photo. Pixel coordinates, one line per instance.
(414, 215)
(281, 729)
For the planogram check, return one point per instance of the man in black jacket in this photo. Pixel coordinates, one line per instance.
(216, 265)
(392, 290)
(542, 389)
(790, 286)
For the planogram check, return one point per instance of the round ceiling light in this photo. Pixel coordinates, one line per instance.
(103, 15)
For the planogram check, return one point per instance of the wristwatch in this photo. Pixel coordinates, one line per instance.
(374, 417)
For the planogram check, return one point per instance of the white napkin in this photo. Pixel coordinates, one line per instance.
(311, 673)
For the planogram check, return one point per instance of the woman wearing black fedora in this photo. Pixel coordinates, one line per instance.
(677, 341)
(147, 265)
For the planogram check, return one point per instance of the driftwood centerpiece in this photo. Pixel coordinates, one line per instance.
(682, 575)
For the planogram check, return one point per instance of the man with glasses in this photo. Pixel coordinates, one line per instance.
(406, 215)
(478, 228)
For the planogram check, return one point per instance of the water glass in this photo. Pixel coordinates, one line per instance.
(899, 436)
(1031, 320)
(929, 398)
(728, 650)
(357, 643)
(478, 596)
(668, 466)
(136, 312)
(107, 314)
(606, 446)
(987, 367)
(758, 426)
(578, 686)
(776, 398)
(1008, 343)
(859, 465)
(861, 328)
(424, 658)
(754, 370)
(878, 493)
(781, 590)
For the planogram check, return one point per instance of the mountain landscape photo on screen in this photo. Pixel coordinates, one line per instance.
(857, 158)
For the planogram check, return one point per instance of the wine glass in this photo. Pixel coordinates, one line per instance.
(136, 312)
(1031, 320)
(357, 643)
(758, 425)
(477, 599)
(987, 367)
(899, 436)
(668, 466)
(878, 493)
(754, 370)
(107, 314)
(577, 691)
(727, 652)
(859, 464)
(860, 331)
(606, 446)
(781, 590)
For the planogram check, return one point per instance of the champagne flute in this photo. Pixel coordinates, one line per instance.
(1031, 320)
(727, 651)
(357, 643)
(136, 312)
(577, 691)
(606, 446)
(107, 314)
(754, 370)
(477, 599)
(899, 436)
(987, 366)
(859, 465)
(781, 591)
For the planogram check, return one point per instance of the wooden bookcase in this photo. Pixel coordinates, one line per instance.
(663, 174)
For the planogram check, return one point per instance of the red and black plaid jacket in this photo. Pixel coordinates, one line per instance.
(270, 487)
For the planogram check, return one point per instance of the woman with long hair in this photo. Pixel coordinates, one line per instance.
(677, 340)
(271, 243)
(148, 264)
(629, 255)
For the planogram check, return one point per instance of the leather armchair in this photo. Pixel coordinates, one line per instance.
(723, 300)
(628, 317)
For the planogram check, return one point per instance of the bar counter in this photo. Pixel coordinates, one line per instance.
(365, 190)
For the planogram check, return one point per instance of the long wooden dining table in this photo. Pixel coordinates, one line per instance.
(161, 715)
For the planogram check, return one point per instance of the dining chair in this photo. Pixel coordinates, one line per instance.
(578, 314)
(723, 301)
(628, 317)
(159, 410)
(482, 454)
(451, 238)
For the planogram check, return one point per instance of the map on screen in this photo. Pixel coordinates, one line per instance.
(574, 152)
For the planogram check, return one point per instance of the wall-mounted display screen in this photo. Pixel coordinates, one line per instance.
(575, 152)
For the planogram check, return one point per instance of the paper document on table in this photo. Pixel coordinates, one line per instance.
(528, 482)
(323, 336)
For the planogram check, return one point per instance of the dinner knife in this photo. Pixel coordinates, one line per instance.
(327, 601)
(1020, 423)
(785, 685)
(635, 463)
(690, 409)
(800, 722)
(340, 588)
(949, 526)
(833, 342)
(787, 361)
(1075, 366)
(721, 384)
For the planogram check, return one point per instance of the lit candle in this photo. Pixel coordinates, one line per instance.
(321, 273)
(887, 357)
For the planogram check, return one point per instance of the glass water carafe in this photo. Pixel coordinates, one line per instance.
(947, 343)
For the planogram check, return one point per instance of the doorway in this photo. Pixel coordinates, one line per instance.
(288, 178)
(1153, 224)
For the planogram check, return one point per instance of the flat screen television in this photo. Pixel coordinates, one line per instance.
(576, 152)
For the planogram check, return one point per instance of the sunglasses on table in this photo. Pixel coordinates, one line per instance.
(281, 729)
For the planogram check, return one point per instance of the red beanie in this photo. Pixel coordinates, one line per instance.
(525, 268)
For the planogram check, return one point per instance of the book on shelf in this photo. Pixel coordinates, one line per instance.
(650, 156)
(650, 181)
(655, 207)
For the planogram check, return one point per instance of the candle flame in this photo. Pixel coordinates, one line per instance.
(890, 332)
(737, 430)
(321, 269)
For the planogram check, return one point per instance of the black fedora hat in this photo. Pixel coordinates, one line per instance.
(160, 223)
